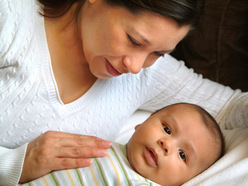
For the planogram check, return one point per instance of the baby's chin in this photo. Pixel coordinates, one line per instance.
(167, 181)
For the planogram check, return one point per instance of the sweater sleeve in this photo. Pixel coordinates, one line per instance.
(11, 160)
(11, 165)
(235, 113)
(174, 82)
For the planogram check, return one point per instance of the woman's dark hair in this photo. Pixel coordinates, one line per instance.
(184, 12)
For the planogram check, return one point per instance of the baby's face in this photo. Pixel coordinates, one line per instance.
(172, 146)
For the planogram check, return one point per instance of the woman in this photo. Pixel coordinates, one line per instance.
(82, 69)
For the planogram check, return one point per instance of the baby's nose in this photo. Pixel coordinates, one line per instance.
(166, 145)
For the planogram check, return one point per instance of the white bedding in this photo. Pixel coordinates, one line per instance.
(231, 169)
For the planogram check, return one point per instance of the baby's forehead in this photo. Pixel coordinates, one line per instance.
(180, 107)
(196, 127)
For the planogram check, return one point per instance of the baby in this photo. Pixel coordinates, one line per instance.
(172, 146)
(175, 144)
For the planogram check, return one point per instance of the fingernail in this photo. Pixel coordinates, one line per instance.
(87, 161)
(106, 143)
(102, 152)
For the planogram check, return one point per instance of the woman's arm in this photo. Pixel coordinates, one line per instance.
(235, 113)
(174, 82)
(11, 160)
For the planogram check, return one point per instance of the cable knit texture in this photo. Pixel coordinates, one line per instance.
(30, 103)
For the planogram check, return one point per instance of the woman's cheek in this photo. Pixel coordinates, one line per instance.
(150, 60)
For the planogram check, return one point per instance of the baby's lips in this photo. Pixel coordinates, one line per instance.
(153, 155)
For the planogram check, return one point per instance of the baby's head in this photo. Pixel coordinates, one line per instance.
(175, 144)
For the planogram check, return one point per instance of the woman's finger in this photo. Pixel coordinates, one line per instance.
(70, 163)
(87, 141)
(67, 135)
(79, 152)
(67, 139)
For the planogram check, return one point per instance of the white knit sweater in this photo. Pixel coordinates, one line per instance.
(30, 103)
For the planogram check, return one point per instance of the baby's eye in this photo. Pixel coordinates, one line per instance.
(166, 129)
(182, 155)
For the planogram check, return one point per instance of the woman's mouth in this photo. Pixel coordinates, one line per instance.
(111, 70)
(151, 157)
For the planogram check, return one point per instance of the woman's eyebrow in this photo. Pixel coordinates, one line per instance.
(146, 40)
(139, 35)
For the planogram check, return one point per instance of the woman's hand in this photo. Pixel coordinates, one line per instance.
(58, 150)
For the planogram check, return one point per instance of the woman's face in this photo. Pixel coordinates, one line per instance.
(116, 41)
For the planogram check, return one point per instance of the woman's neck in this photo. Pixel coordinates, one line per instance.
(70, 68)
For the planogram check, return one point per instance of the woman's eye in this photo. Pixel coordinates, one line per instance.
(182, 155)
(133, 42)
(166, 129)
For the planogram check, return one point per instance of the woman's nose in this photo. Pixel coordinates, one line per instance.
(134, 63)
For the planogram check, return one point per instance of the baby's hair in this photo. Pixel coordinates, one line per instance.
(210, 122)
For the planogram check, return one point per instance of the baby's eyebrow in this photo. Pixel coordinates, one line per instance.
(187, 146)
(191, 152)
(173, 122)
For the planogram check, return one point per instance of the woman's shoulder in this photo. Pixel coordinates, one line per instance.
(13, 7)
(8, 19)
(16, 17)
(10, 12)
(13, 13)
(166, 66)
(163, 71)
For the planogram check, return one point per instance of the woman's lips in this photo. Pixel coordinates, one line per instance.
(111, 70)
(151, 157)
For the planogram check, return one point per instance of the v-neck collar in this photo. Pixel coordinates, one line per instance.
(51, 85)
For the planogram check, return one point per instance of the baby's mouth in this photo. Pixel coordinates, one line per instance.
(151, 157)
